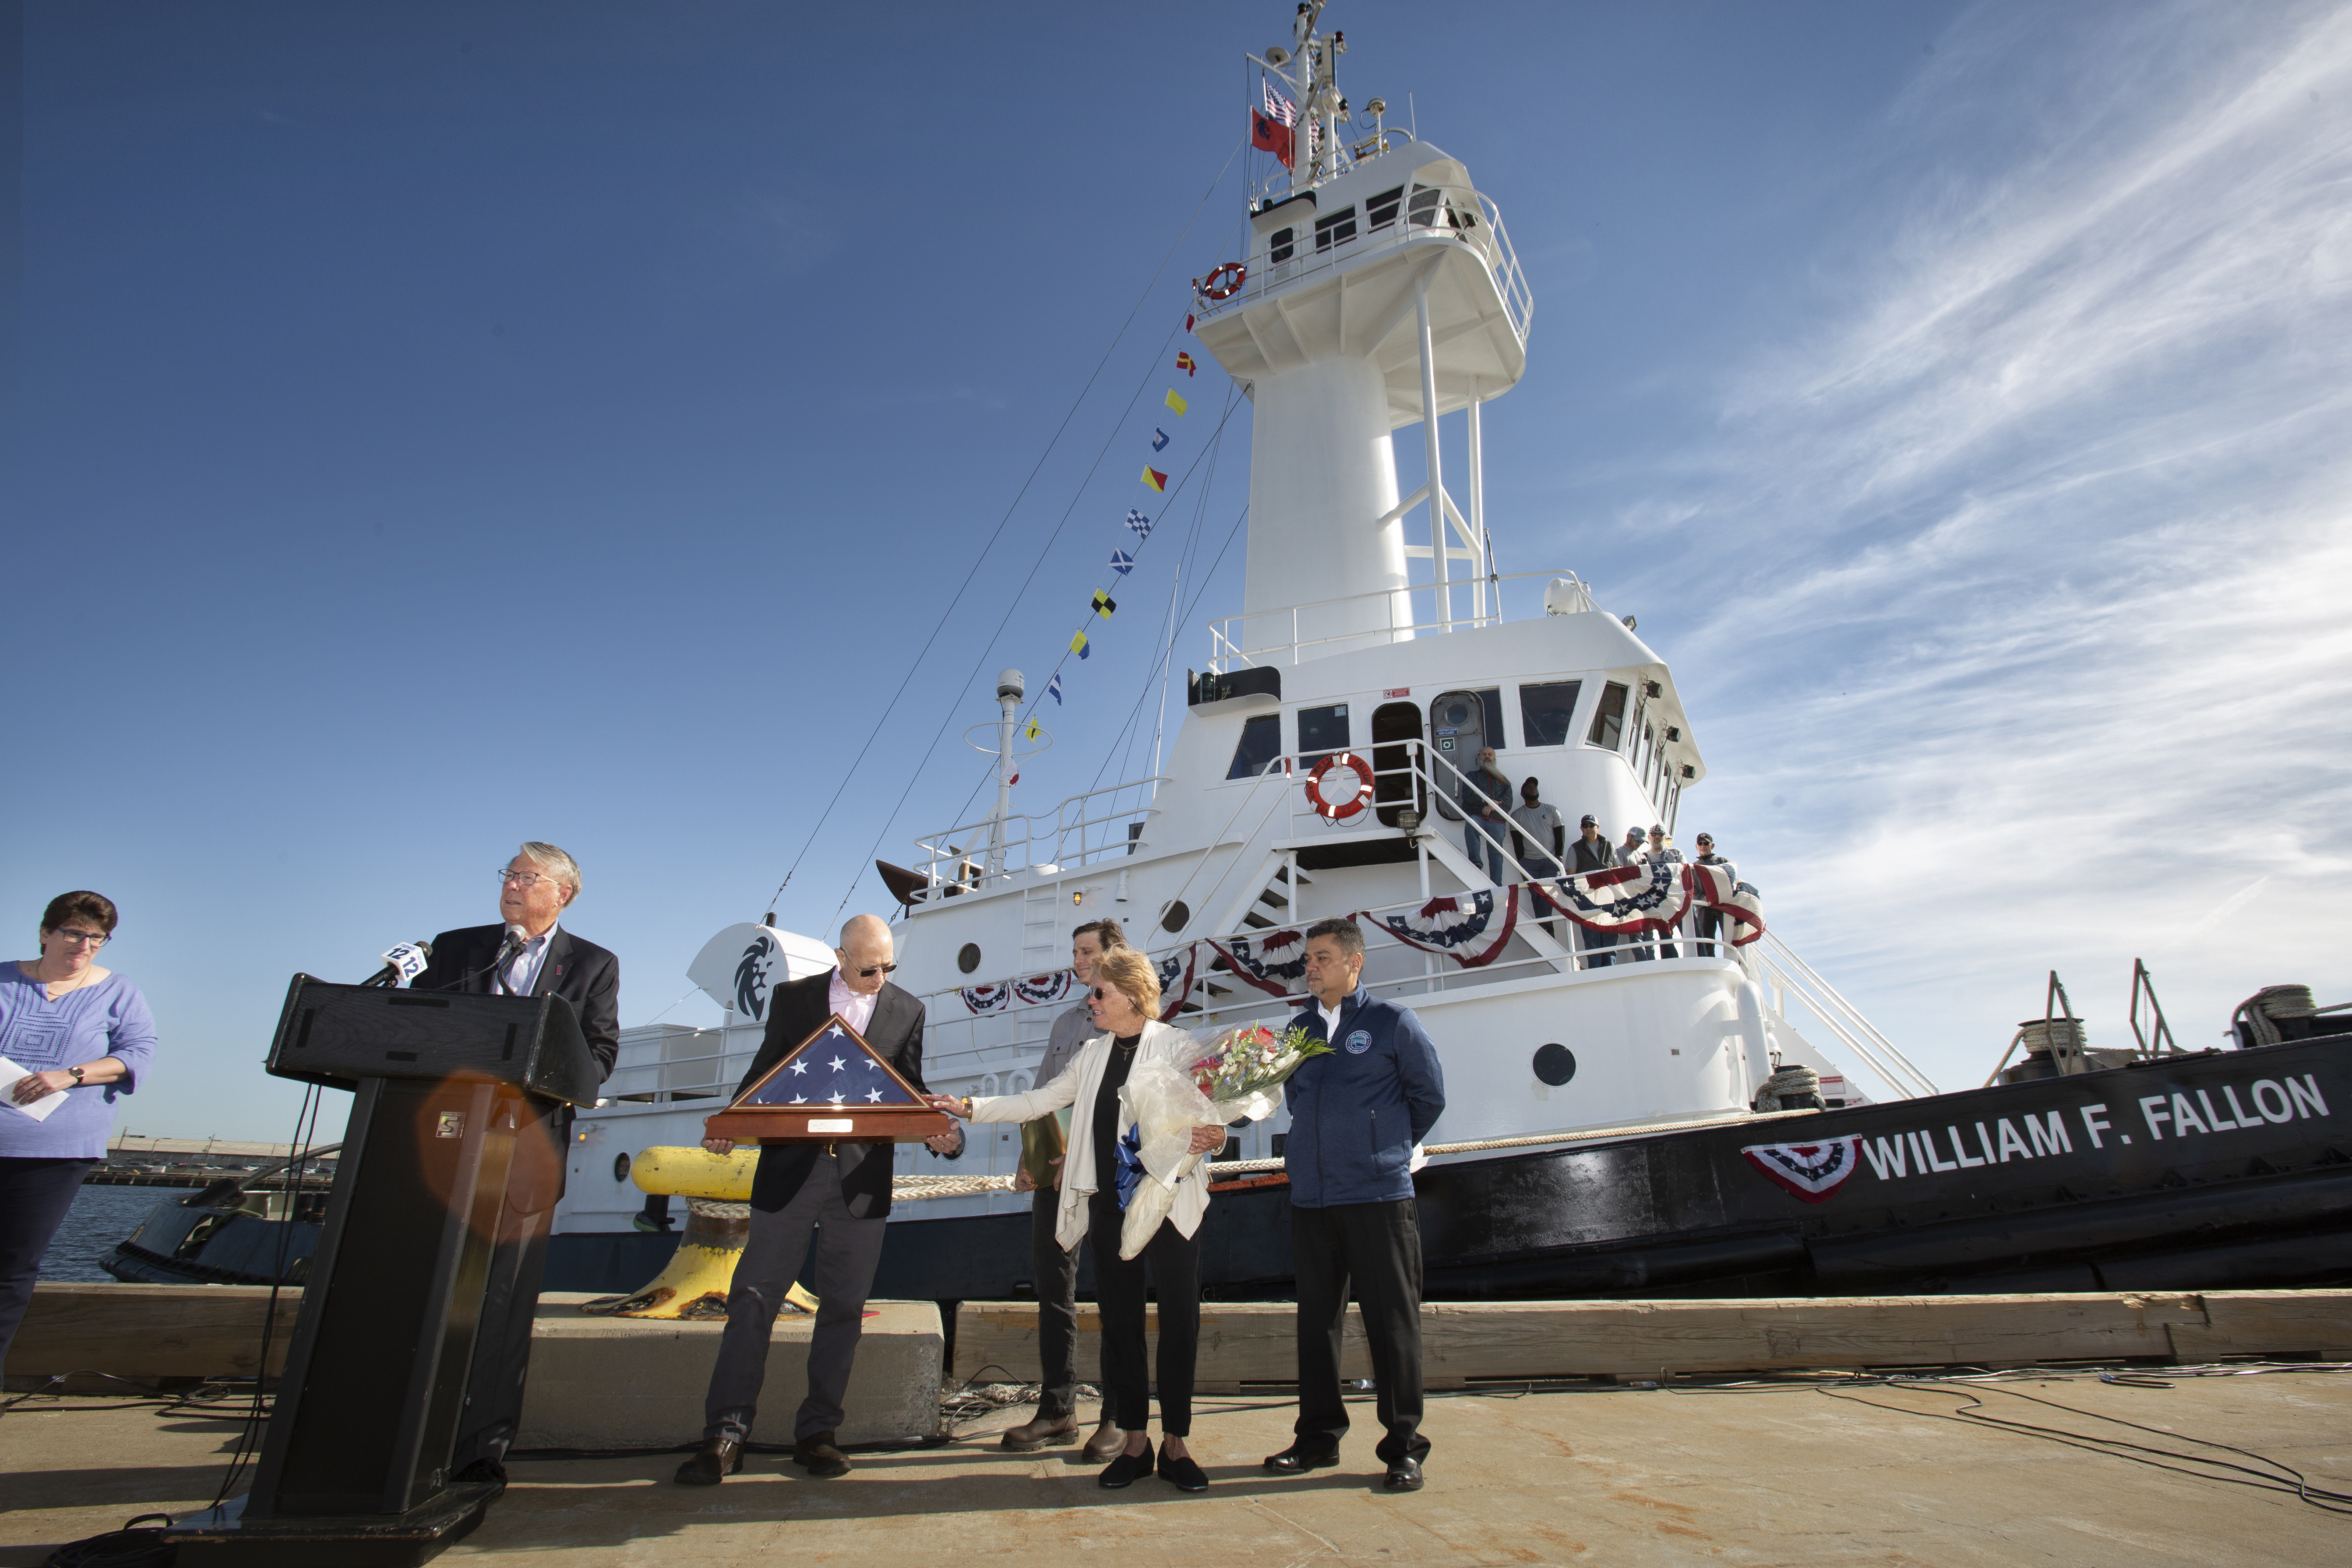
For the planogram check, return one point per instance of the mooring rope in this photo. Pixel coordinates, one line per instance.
(911, 1189)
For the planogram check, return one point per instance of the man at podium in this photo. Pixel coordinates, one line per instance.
(526, 953)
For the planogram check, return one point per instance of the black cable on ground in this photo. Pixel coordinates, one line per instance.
(137, 1544)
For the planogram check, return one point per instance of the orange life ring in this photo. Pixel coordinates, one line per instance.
(1212, 290)
(1350, 805)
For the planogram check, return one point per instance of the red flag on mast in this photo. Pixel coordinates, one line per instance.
(1270, 136)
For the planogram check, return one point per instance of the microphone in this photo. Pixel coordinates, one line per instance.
(404, 963)
(515, 941)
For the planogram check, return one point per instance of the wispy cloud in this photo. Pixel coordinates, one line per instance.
(2032, 559)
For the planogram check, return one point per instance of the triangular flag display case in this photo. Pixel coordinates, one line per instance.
(832, 1086)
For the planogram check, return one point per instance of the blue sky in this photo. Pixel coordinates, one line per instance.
(438, 426)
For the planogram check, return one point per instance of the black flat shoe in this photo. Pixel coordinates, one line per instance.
(1182, 1473)
(1297, 1459)
(1404, 1476)
(1123, 1470)
(719, 1458)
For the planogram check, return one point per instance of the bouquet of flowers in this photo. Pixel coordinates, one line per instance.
(1246, 1060)
(1233, 1077)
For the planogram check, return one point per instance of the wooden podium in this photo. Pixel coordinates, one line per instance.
(831, 1088)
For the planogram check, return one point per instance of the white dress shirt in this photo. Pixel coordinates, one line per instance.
(856, 1008)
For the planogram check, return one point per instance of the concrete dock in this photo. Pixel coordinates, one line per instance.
(1791, 1474)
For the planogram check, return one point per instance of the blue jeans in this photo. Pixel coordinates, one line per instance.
(1485, 857)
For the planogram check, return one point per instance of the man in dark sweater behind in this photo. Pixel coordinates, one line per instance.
(1357, 1117)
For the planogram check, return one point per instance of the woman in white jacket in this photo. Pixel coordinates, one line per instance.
(1125, 1001)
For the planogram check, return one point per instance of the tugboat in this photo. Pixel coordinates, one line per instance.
(256, 1228)
(1647, 1118)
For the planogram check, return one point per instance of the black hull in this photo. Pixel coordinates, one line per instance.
(2252, 1190)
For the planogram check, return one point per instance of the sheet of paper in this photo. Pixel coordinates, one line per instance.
(40, 1109)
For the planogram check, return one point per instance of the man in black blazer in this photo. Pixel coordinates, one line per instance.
(537, 886)
(841, 1191)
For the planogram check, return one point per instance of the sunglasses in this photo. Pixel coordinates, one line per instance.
(871, 970)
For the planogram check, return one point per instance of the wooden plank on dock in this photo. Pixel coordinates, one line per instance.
(150, 1331)
(1254, 1343)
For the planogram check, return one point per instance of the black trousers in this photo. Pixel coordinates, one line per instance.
(1175, 1260)
(1055, 1269)
(1710, 923)
(1378, 1247)
(34, 1197)
(842, 1252)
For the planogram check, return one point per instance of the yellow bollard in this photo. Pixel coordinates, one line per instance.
(717, 1190)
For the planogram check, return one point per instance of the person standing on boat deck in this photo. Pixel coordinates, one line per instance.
(80, 1036)
(527, 953)
(1485, 792)
(1710, 920)
(839, 1191)
(1661, 852)
(1635, 852)
(1539, 839)
(1125, 1000)
(1052, 1265)
(1590, 852)
(1358, 1115)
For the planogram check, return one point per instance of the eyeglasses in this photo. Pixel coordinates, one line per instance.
(1105, 993)
(526, 881)
(82, 938)
(871, 970)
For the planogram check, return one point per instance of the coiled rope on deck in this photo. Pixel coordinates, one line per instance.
(911, 1189)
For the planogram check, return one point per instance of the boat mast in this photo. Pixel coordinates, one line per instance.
(1009, 690)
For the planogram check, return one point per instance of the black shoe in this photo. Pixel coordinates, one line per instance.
(1404, 1476)
(1297, 1459)
(485, 1469)
(1182, 1473)
(719, 1458)
(816, 1454)
(1123, 1470)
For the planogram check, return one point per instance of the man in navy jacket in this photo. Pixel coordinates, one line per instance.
(1356, 1117)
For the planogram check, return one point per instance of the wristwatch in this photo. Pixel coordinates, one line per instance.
(76, 1075)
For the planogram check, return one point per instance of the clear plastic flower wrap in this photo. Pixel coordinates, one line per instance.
(1234, 1075)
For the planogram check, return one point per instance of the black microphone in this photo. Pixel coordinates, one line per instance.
(404, 962)
(515, 943)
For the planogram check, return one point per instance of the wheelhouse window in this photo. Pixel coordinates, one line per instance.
(1546, 710)
(1608, 719)
(1337, 229)
(1261, 743)
(1430, 209)
(1280, 245)
(1321, 731)
(1381, 210)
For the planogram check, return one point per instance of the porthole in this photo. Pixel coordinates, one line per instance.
(620, 1167)
(1178, 914)
(968, 958)
(1555, 1064)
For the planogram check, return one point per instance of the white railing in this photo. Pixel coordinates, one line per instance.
(1428, 214)
(1227, 634)
(1783, 975)
(1100, 824)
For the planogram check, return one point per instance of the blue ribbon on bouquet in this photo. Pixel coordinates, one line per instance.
(1127, 1156)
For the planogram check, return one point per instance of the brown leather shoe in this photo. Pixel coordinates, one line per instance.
(1107, 1443)
(719, 1457)
(1041, 1433)
(816, 1454)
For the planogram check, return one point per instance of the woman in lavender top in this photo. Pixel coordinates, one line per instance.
(76, 1036)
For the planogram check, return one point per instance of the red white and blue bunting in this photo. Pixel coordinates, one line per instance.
(1276, 963)
(1040, 989)
(1810, 1171)
(1469, 929)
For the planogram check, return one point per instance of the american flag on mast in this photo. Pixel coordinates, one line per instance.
(1278, 108)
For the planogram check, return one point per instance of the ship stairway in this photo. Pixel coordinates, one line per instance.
(1787, 978)
(1041, 926)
